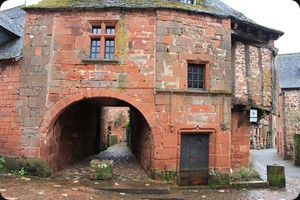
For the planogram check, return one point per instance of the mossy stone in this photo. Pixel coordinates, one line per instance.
(276, 175)
(33, 166)
(101, 169)
(113, 139)
(297, 149)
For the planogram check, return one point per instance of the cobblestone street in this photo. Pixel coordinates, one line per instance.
(73, 183)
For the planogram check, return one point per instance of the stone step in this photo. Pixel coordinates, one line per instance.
(136, 188)
(250, 184)
(175, 194)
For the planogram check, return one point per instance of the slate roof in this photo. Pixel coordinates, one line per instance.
(213, 7)
(12, 24)
(288, 69)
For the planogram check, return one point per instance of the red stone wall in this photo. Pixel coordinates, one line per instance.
(75, 135)
(292, 121)
(116, 119)
(153, 50)
(259, 76)
(184, 38)
(252, 88)
(179, 109)
(256, 75)
(240, 73)
(10, 130)
(240, 139)
(141, 140)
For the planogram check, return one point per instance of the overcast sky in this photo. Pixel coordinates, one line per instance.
(283, 15)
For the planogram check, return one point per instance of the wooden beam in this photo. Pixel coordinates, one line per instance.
(248, 73)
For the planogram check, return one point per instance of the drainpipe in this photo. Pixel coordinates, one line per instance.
(284, 126)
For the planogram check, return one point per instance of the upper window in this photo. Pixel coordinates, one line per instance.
(188, 1)
(196, 76)
(103, 41)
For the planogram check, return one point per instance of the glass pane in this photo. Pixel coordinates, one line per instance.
(195, 77)
(96, 30)
(201, 85)
(195, 84)
(110, 30)
(201, 69)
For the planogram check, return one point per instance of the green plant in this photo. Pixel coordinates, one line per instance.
(20, 172)
(244, 174)
(2, 161)
(169, 177)
(121, 119)
(218, 178)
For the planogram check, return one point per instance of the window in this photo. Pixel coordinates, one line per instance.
(188, 1)
(196, 76)
(109, 49)
(103, 41)
(95, 48)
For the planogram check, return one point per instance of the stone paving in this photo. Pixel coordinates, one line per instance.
(66, 185)
(126, 167)
(260, 159)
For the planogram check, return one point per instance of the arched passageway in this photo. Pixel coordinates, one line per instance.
(80, 131)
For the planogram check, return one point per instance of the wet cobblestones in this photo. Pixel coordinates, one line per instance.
(73, 184)
(289, 193)
(126, 167)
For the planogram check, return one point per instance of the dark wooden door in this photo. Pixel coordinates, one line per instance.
(194, 159)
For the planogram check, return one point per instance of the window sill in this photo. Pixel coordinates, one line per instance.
(194, 91)
(110, 61)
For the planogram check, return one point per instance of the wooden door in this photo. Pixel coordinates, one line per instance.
(194, 159)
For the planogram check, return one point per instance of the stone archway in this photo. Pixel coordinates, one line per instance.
(48, 136)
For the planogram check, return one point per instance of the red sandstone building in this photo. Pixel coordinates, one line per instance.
(288, 105)
(189, 72)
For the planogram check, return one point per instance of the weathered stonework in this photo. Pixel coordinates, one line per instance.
(288, 114)
(61, 92)
(252, 88)
(10, 132)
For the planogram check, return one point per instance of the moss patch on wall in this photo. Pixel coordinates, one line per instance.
(33, 166)
(200, 6)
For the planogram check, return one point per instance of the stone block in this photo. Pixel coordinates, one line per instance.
(297, 149)
(101, 169)
(276, 175)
